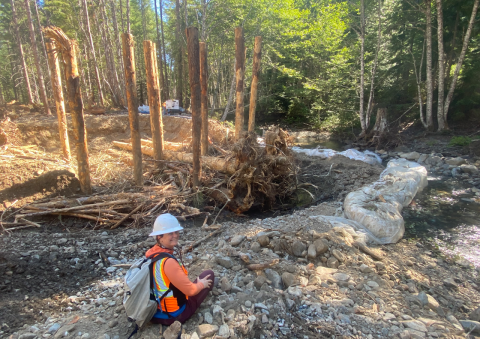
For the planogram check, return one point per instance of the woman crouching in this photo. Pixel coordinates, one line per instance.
(178, 297)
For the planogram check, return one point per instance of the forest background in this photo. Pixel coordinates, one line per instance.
(326, 64)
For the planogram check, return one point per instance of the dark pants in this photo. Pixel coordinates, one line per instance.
(193, 303)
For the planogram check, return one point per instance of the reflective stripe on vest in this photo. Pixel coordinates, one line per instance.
(169, 303)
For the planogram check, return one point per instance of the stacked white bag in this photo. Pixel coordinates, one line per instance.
(378, 207)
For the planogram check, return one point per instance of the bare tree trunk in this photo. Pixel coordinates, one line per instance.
(41, 83)
(144, 26)
(186, 13)
(240, 74)
(461, 58)
(118, 47)
(204, 98)
(418, 79)
(130, 78)
(12, 67)
(56, 81)
(167, 90)
(160, 58)
(253, 92)
(92, 52)
(375, 63)
(128, 19)
(195, 90)
(110, 58)
(178, 59)
(22, 55)
(204, 20)
(41, 33)
(429, 107)
(121, 16)
(231, 93)
(381, 124)
(2, 98)
(68, 50)
(441, 67)
(362, 67)
(452, 51)
(154, 99)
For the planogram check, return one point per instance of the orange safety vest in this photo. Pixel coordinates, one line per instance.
(174, 299)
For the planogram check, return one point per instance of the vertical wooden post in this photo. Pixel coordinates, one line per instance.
(131, 88)
(239, 73)
(154, 98)
(74, 94)
(203, 85)
(194, 75)
(56, 81)
(257, 55)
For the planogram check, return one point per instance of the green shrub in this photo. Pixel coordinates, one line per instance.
(460, 141)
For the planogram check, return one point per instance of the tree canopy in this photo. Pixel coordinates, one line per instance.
(312, 57)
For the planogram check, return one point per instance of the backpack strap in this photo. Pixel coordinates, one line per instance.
(154, 258)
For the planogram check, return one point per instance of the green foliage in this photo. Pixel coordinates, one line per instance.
(310, 56)
(460, 141)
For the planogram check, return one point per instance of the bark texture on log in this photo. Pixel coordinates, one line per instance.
(167, 145)
(217, 164)
(56, 81)
(239, 74)
(204, 101)
(154, 100)
(68, 49)
(194, 75)
(131, 88)
(257, 55)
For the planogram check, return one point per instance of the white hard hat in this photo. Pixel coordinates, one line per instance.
(165, 223)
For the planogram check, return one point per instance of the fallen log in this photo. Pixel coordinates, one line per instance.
(167, 145)
(362, 247)
(198, 242)
(69, 209)
(256, 267)
(84, 216)
(217, 164)
(128, 215)
(91, 200)
(185, 217)
(28, 222)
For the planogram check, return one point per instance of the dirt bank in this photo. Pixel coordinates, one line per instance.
(43, 131)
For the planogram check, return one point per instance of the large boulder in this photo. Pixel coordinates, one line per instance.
(470, 169)
(455, 161)
(410, 156)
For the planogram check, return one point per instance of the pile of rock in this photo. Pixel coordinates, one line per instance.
(316, 282)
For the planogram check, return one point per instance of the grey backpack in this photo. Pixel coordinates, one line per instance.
(138, 299)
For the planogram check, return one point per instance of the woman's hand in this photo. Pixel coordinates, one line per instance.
(206, 282)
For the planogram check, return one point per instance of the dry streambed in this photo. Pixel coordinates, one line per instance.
(320, 284)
